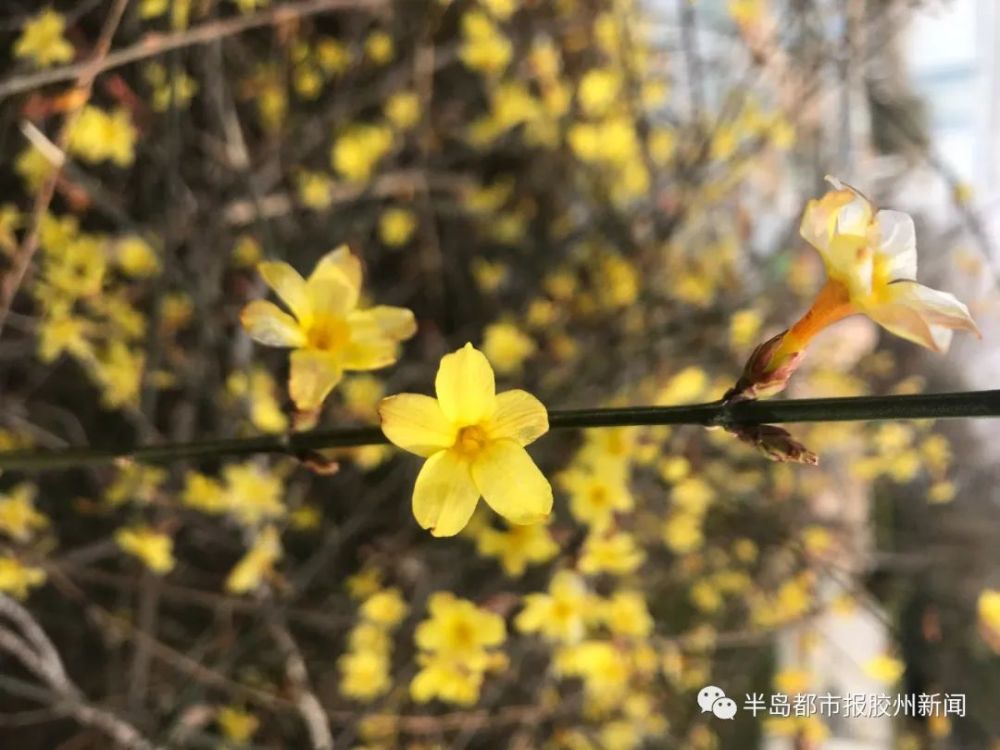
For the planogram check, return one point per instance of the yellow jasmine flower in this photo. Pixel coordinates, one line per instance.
(616, 554)
(885, 668)
(364, 675)
(42, 40)
(154, 548)
(236, 724)
(507, 347)
(386, 608)
(402, 109)
(988, 608)
(18, 517)
(396, 226)
(871, 264)
(136, 257)
(484, 48)
(626, 614)
(252, 494)
(315, 189)
(257, 563)
(328, 330)
(364, 583)
(358, 150)
(561, 614)
(379, 47)
(17, 579)
(517, 546)
(598, 492)
(473, 439)
(446, 679)
(99, 136)
(458, 628)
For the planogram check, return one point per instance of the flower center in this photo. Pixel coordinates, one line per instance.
(471, 440)
(329, 334)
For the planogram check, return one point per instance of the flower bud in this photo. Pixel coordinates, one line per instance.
(767, 370)
(775, 442)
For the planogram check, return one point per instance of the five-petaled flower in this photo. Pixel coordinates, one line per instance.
(870, 257)
(327, 329)
(474, 441)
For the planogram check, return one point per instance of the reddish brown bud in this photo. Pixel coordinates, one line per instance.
(775, 442)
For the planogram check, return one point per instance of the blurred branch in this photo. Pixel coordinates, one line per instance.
(35, 652)
(968, 404)
(154, 44)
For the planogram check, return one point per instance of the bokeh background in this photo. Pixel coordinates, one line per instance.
(602, 195)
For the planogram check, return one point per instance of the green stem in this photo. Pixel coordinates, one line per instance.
(974, 404)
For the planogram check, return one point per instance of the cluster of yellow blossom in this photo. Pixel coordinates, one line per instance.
(42, 40)
(248, 492)
(456, 645)
(20, 523)
(366, 666)
(154, 548)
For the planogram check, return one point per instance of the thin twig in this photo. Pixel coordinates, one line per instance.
(968, 404)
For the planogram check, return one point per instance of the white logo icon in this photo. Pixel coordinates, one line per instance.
(713, 699)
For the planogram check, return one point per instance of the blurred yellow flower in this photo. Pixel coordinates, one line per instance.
(379, 47)
(136, 257)
(329, 332)
(626, 614)
(458, 628)
(396, 226)
(153, 547)
(517, 546)
(507, 347)
(364, 675)
(484, 48)
(885, 668)
(236, 724)
(561, 614)
(616, 554)
(988, 609)
(385, 608)
(359, 149)
(98, 136)
(474, 441)
(17, 579)
(402, 109)
(599, 91)
(18, 517)
(256, 564)
(42, 40)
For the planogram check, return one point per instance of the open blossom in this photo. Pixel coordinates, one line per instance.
(328, 330)
(870, 257)
(473, 438)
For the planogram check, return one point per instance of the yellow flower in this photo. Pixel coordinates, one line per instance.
(885, 668)
(252, 494)
(17, 579)
(561, 614)
(600, 90)
(257, 563)
(385, 608)
(616, 554)
(446, 679)
(598, 492)
(364, 675)
(988, 608)
(98, 136)
(42, 40)
(506, 346)
(315, 190)
(236, 724)
(871, 266)
(358, 150)
(154, 548)
(458, 628)
(396, 226)
(683, 533)
(18, 517)
(517, 546)
(402, 109)
(136, 257)
(484, 47)
(379, 47)
(474, 441)
(626, 614)
(329, 332)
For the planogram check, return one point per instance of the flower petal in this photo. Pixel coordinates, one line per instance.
(331, 296)
(896, 242)
(370, 354)
(397, 323)
(837, 226)
(922, 315)
(416, 423)
(339, 262)
(465, 386)
(313, 375)
(519, 416)
(511, 483)
(444, 496)
(289, 285)
(266, 323)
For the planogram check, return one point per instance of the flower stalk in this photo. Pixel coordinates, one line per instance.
(969, 404)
